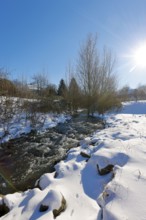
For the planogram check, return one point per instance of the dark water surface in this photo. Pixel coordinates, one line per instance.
(24, 160)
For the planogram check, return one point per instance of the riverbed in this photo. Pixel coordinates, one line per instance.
(25, 159)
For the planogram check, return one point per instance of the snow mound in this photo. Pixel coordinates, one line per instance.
(52, 200)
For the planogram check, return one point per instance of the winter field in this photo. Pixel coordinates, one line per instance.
(102, 179)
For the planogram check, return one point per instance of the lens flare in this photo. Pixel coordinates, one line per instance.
(5, 174)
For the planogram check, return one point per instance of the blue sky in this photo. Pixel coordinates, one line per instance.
(45, 35)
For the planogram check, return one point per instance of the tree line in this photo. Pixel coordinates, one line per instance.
(92, 84)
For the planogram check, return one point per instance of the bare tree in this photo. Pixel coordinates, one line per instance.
(51, 90)
(107, 84)
(124, 93)
(96, 75)
(23, 90)
(10, 109)
(140, 92)
(87, 71)
(7, 87)
(107, 79)
(4, 73)
(41, 82)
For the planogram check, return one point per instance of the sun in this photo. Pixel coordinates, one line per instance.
(140, 56)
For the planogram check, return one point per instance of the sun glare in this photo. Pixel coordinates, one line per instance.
(140, 56)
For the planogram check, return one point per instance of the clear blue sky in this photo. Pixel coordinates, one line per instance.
(45, 35)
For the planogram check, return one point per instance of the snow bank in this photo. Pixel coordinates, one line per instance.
(20, 126)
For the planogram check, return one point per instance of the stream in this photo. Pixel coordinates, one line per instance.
(25, 159)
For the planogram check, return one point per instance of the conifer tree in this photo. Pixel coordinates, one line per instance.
(74, 94)
(62, 89)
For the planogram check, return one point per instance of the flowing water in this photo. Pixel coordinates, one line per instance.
(24, 160)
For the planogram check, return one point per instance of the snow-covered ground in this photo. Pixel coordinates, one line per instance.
(19, 125)
(79, 192)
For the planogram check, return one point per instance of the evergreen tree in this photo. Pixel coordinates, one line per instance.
(74, 94)
(62, 89)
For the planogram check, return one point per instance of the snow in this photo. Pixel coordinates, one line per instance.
(19, 125)
(119, 195)
(134, 108)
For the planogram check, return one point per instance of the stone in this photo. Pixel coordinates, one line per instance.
(105, 170)
(43, 208)
(3, 208)
(83, 154)
(55, 202)
(62, 208)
